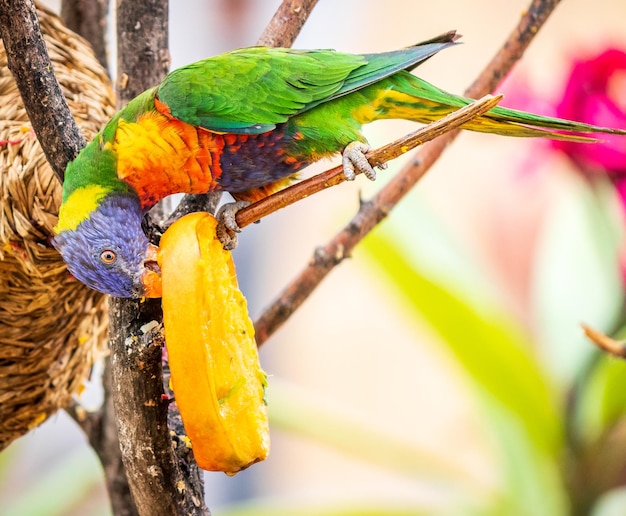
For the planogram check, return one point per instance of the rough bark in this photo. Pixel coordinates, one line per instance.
(142, 45)
(286, 23)
(163, 477)
(100, 427)
(88, 18)
(162, 474)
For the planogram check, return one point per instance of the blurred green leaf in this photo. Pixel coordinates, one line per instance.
(493, 350)
(531, 479)
(432, 249)
(488, 344)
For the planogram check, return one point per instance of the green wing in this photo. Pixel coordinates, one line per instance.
(253, 89)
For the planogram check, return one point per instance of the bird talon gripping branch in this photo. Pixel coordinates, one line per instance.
(246, 122)
(354, 160)
(227, 227)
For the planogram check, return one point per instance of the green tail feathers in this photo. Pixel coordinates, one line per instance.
(407, 96)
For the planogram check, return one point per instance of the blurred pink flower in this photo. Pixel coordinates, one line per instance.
(596, 94)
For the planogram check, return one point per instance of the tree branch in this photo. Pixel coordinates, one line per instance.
(616, 348)
(335, 176)
(286, 23)
(163, 479)
(28, 60)
(88, 18)
(372, 212)
(142, 45)
(162, 482)
(100, 427)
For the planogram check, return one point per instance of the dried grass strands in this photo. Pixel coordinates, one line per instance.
(51, 326)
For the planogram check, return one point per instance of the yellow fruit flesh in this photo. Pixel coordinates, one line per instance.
(218, 384)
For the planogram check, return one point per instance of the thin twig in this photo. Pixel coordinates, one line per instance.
(378, 157)
(88, 18)
(617, 348)
(371, 213)
(286, 23)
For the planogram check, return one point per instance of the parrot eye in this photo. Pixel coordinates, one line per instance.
(108, 257)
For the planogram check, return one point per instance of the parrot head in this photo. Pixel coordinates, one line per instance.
(106, 248)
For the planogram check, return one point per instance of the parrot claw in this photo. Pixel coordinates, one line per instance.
(227, 227)
(354, 161)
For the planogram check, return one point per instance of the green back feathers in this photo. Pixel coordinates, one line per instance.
(384, 64)
(252, 90)
(245, 91)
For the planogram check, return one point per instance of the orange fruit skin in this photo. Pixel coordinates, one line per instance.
(218, 383)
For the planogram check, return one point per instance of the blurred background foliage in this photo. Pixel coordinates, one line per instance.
(442, 370)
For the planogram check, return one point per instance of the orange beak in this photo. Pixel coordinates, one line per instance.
(151, 277)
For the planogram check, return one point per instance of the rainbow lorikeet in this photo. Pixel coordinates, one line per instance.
(244, 122)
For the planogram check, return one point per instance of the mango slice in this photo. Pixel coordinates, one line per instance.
(218, 383)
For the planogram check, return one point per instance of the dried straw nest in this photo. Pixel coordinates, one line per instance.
(51, 326)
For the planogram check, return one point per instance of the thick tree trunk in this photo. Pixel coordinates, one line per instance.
(161, 480)
(88, 18)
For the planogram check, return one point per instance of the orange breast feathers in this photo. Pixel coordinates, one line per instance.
(159, 156)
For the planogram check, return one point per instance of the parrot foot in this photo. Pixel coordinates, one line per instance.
(227, 227)
(354, 161)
